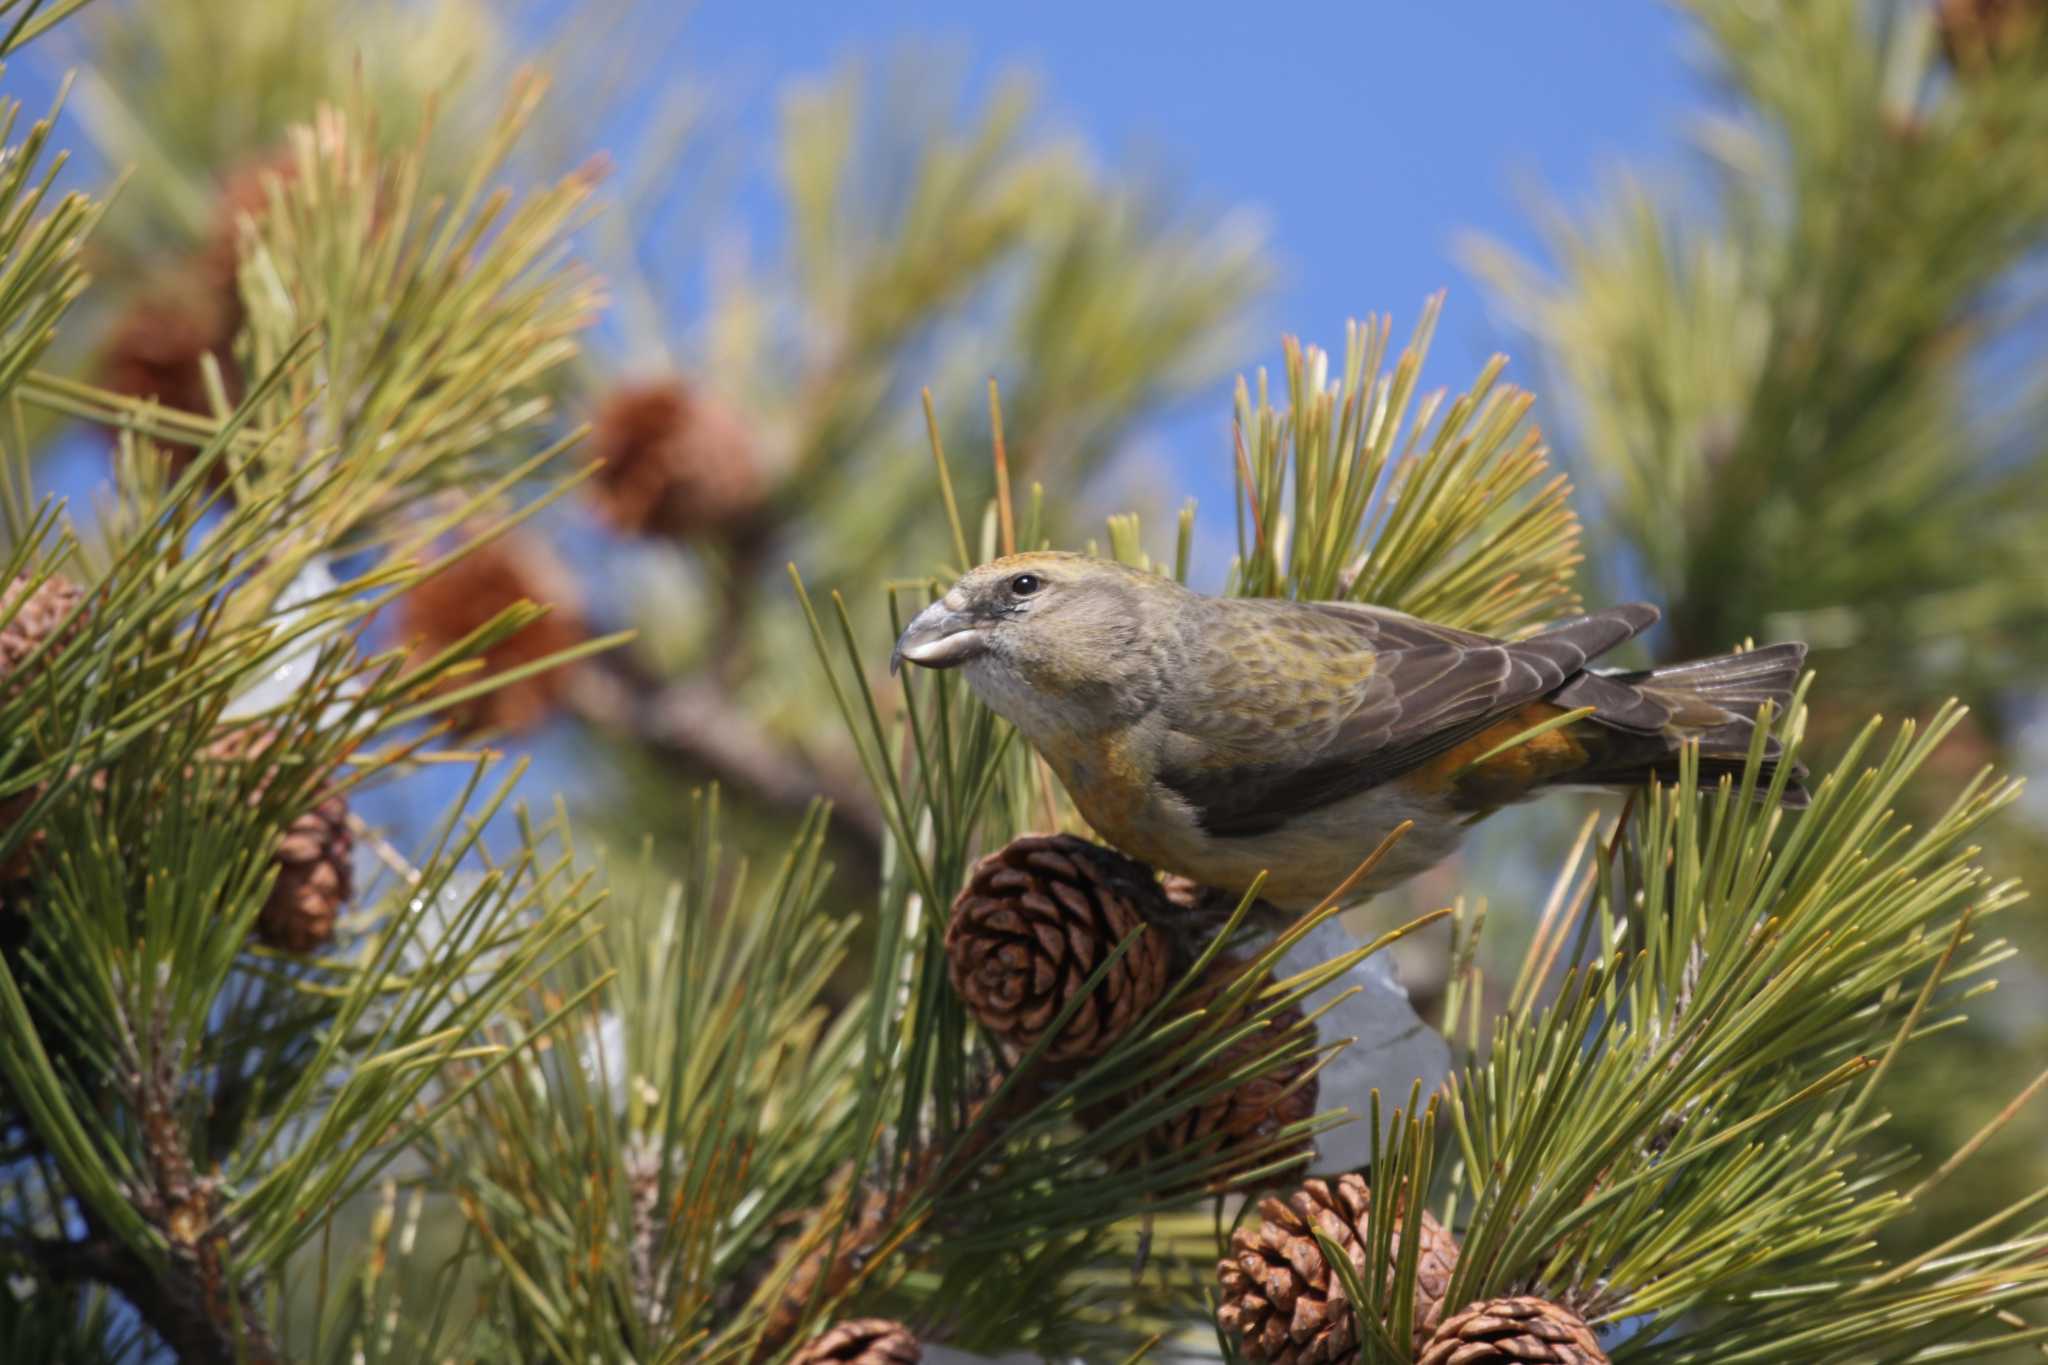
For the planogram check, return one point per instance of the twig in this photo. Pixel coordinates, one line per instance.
(697, 725)
(174, 1309)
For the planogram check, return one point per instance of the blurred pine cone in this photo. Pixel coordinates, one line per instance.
(1517, 1331)
(830, 1266)
(1978, 33)
(1243, 1118)
(158, 346)
(674, 462)
(28, 618)
(517, 567)
(863, 1341)
(315, 879)
(1036, 919)
(315, 856)
(244, 193)
(1281, 1299)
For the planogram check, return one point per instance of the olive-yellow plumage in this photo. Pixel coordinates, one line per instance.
(1222, 738)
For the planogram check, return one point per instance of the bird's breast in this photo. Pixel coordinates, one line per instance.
(1112, 780)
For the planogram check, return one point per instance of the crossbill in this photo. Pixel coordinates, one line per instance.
(1222, 738)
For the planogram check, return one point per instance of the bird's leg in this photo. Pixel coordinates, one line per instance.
(1203, 912)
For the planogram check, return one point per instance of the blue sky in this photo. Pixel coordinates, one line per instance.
(1368, 135)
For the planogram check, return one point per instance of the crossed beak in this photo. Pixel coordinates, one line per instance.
(940, 636)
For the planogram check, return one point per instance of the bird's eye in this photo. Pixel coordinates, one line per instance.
(1024, 584)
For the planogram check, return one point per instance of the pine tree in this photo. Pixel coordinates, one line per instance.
(927, 1071)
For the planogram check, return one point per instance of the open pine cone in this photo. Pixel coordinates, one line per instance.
(673, 462)
(1979, 33)
(157, 348)
(315, 856)
(243, 193)
(1282, 1300)
(28, 623)
(1034, 922)
(30, 618)
(862, 1341)
(830, 1266)
(1246, 1116)
(1517, 1331)
(315, 879)
(463, 597)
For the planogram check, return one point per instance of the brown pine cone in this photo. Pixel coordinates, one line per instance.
(674, 462)
(25, 624)
(1035, 920)
(244, 192)
(315, 856)
(1246, 1116)
(1978, 33)
(832, 1263)
(30, 618)
(862, 1341)
(1280, 1297)
(315, 879)
(1517, 1331)
(514, 568)
(158, 346)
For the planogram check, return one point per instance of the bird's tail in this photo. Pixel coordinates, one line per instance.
(1715, 702)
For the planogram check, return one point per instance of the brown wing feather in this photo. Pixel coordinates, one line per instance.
(1305, 704)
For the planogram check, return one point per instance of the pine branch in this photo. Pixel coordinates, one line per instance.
(701, 728)
(437, 323)
(1453, 520)
(175, 1311)
(27, 20)
(1683, 1132)
(187, 104)
(40, 275)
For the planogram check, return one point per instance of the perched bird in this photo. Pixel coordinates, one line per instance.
(1222, 737)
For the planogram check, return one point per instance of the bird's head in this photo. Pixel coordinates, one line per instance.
(1049, 640)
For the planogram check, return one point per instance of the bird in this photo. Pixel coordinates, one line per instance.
(1231, 739)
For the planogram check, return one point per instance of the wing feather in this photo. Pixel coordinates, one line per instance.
(1306, 704)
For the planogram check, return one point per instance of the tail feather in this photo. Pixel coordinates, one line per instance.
(1739, 682)
(1714, 702)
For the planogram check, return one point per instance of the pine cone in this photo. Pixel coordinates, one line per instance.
(1034, 922)
(1517, 1331)
(1246, 1116)
(831, 1265)
(674, 462)
(315, 856)
(28, 624)
(863, 1341)
(244, 192)
(445, 608)
(24, 625)
(1281, 1299)
(315, 879)
(158, 347)
(1979, 33)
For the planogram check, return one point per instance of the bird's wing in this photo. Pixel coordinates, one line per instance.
(1305, 704)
